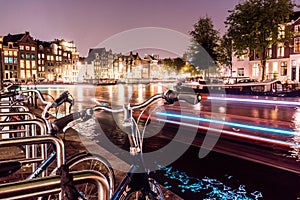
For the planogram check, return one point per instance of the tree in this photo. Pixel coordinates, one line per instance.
(256, 25)
(225, 51)
(203, 51)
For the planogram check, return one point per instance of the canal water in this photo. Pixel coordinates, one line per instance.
(216, 176)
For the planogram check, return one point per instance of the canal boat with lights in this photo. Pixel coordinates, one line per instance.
(241, 86)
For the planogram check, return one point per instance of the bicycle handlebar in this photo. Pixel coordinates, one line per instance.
(64, 97)
(170, 97)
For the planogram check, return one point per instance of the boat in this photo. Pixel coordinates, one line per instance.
(241, 86)
(106, 81)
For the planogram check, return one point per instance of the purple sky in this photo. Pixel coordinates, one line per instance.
(90, 22)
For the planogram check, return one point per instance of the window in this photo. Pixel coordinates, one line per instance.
(10, 53)
(33, 56)
(241, 57)
(6, 53)
(283, 68)
(15, 60)
(21, 47)
(22, 55)
(33, 64)
(297, 44)
(281, 32)
(22, 73)
(269, 52)
(10, 60)
(5, 59)
(27, 55)
(22, 64)
(240, 71)
(15, 53)
(32, 48)
(27, 48)
(27, 64)
(255, 70)
(280, 50)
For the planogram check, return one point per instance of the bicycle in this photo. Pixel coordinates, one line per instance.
(75, 163)
(137, 184)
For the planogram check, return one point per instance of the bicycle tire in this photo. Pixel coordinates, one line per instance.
(156, 193)
(89, 162)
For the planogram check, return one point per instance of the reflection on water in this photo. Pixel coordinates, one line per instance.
(209, 187)
(295, 149)
(120, 94)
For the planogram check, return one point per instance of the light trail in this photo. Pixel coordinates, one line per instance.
(241, 135)
(275, 102)
(234, 124)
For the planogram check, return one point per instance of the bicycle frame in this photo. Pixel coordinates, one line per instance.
(137, 178)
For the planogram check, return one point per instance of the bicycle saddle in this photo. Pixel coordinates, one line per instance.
(7, 168)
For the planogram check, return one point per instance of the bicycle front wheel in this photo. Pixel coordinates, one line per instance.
(90, 162)
(154, 194)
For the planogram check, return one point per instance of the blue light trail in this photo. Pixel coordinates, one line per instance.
(234, 124)
(256, 138)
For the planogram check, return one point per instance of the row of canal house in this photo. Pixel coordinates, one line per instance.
(103, 64)
(283, 61)
(23, 59)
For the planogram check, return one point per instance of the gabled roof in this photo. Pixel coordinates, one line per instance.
(16, 38)
(295, 16)
(92, 54)
(43, 43)
(12, 38)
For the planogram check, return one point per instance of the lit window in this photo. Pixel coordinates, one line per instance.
(27, 64)
(255, 70)
(32, 48)
(22, 55)
(27, 48)
(27, 55)
(15, 53)
(281, 32)
(10, 53)
(10, 60)
(33, 64)
(28, 73)
(280, 51)
(241, 57)
(15, 60)
(283, 68)
(297, 44)
(297, 28)
(6, 53)
(5, 59)
(269, 52)
(22, 64)
(33, 56)
(21, 47)
(22, 73)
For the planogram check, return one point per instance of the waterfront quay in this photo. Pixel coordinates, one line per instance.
(255, 155)
(256, 145)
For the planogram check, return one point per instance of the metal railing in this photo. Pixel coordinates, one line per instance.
(26, 131)
(51, 185)
(57, 142)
